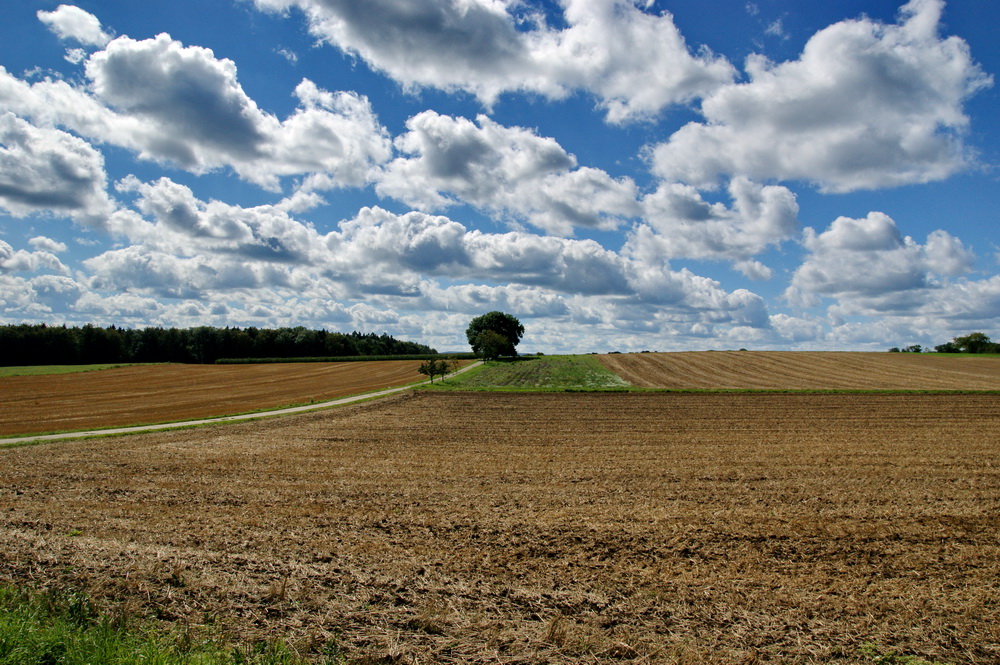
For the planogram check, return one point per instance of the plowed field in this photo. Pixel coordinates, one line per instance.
(805, 370)
(164, 393)
(542, 528)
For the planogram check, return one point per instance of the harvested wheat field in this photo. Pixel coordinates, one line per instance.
(805, 370)
(542, 528)
(143, 394)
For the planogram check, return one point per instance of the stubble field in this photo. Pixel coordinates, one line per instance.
(142, 394)
(542, 528)
(805, 370)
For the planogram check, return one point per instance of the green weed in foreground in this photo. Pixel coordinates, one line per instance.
(44, 628)
(541, 373)
(882, 656)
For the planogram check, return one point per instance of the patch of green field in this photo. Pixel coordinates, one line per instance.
(541, 373)
(34, 370)
(42, 628)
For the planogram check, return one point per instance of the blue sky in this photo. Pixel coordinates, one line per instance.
(620, 175)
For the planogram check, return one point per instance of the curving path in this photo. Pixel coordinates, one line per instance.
(35, 438)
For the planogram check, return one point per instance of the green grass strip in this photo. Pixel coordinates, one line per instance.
(64, 628)
(538, 373)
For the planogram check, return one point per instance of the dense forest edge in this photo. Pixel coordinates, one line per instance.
(40, 344)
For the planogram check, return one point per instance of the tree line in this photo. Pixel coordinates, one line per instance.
(976, 342)
(39, 344)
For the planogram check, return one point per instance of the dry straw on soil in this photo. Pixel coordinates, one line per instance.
(164, 393)
(805, 370)
(538, 528)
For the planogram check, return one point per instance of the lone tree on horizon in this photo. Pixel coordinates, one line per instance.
(494, 334)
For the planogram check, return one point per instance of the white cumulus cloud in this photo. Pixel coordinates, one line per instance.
(71, 22)
(181, 105)
(49, 170)
(45, 244)
(634, 62)
(507, 171)
(681, 224)
(869, 263)
(866, 106)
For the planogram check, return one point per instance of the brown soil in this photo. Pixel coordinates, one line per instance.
(805, 370)
(166, 393)
(541, 528)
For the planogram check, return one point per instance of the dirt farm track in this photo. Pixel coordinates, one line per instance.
(451, 527)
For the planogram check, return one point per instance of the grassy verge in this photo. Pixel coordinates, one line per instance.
(39, 628)
(538, 373)
(35, 370)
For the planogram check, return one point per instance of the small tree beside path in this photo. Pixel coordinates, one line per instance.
(435, 367)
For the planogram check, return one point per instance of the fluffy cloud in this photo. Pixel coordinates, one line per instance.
(70, 22)
(247, 260)
(335, 134)
(504, 170)
(181, 105)
(196, 114)
(193, 101)
(53, 103)
(377, 242)
(565, 271)
(44, 244)
(185, 245)
(634, 62)
(36, 297)
(951, 308)
(680, 223)
(45, 170)
(22, 261)
(866, 106)
(868, 264)
(184, 225)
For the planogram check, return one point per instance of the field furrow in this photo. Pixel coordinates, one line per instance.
(802, 370)
(163, 393)
(542, 528)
